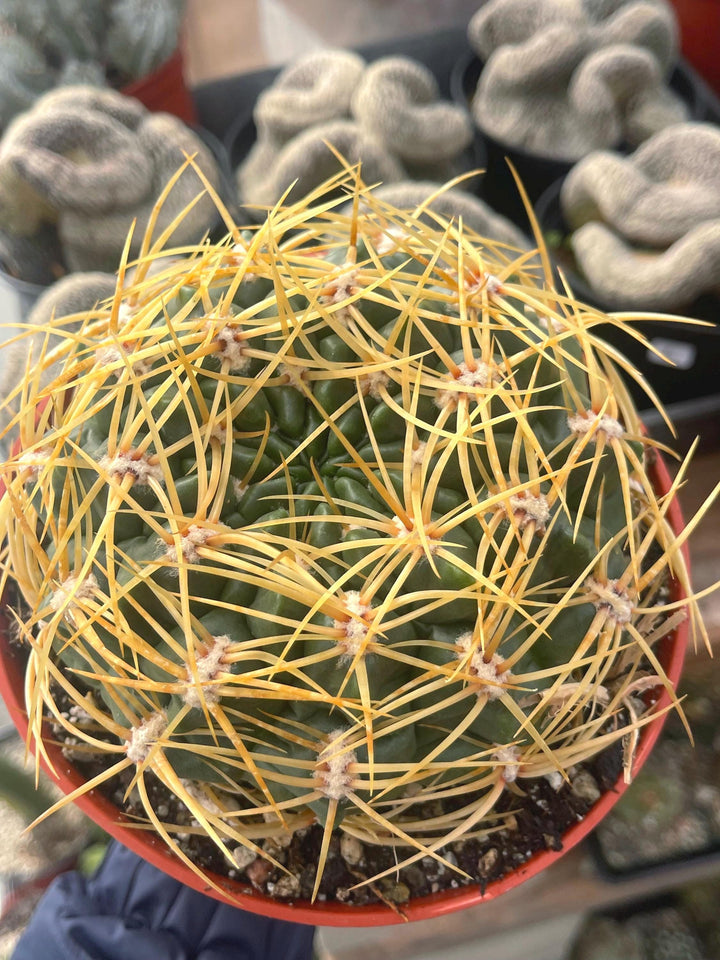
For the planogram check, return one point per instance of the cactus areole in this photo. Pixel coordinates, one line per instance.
(342, 524)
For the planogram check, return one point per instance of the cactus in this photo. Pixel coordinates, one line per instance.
(24, 75)
(586, 100)
(451, 203)
(334, 521)
(310, 158)
(95, 161)
(398, 99)
(49, 42)
(651, 25)
(315, 89)
(142, 35)
(561, 81)
(388, 114)
(646, 228)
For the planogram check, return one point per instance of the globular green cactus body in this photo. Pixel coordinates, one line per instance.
(336, 517)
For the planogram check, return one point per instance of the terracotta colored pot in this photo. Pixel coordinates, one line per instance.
(164, 90)
(671, 652)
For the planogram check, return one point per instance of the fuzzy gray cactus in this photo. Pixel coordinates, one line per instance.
(452, 204)
(650, 24)
(388, 114)
(398, 99)
(142, 34)
(24, 76)
(559, 101)
(315, 89)
(561, 81)
(72, 295)
(646, 228)
(94, 161)
(307, 160)
(49, 42)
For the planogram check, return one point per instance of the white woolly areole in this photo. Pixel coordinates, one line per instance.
(332, 771)
(340, 287)
(132, 464)
(238, 487)
(372, 383)
(32, 462)
(581, 424)
(115, 354)
(206, 669)
(231, 347)
(527, 508)
(125, 312)
(486, 281)
(238, 254)
(613, 599)
(486, 672)
(295, 374)
(144, 736)
(418, 454)
(71, 590)
(480, 375)
(355, 629)
(189, 543)
(509, 758)
(389, 239)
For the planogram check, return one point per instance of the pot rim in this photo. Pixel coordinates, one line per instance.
(153, 849)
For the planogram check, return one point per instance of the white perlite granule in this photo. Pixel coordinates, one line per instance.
(580, 424)
(206, 669)
(332, 771)
(486, 672)
(199, 796)
(144, 736)
(138, 466)
(613, 599)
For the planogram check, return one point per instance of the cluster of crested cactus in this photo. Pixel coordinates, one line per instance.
(88, 163)
(560, 80)
(343, 520)
(646, 228)
(48, 43)
(388, 115)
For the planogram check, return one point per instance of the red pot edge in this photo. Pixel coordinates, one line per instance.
(153, 849)
(165, 90)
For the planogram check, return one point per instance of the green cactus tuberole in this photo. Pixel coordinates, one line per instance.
(326, 528)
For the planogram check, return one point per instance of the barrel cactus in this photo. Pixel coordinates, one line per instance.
(343, 521)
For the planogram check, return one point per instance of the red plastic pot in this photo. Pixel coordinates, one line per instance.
(699, 22)
(164, 90)
(671, 652)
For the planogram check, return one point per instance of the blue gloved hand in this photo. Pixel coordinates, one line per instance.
(129, 910)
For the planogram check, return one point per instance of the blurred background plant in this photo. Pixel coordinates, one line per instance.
(47, 43)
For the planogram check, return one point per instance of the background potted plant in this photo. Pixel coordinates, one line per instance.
(546, 86)
(641, 232)
(129, 45)
(352, 555)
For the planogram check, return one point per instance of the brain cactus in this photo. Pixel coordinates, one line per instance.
(333, 522)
